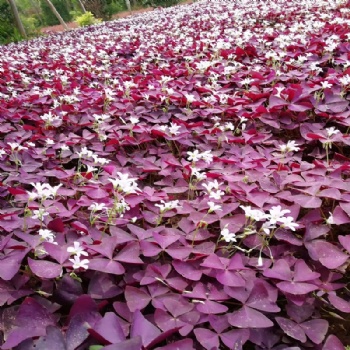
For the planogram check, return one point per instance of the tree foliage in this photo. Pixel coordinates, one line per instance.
(8, 31)
(62, 6)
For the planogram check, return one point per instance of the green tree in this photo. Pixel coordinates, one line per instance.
(8, 32)
(49, 16)
(17, 18)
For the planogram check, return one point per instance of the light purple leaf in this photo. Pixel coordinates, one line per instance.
(280, 270)
(143, 328)
(238, 337)
(249, 318)
(339, 303)
(299, 288)
(207, 338)
(187, 270)
(44, 269)
(10, 263)
(230, 278)
(109, 328)
(136, 298)
(57, 252)
(292, 329)
(105, 265)
(333, 343)
(345, 242)
(211, 307)
(178, 345)
(130, 254)
(303, 273)
(316, 330)
(328, 254)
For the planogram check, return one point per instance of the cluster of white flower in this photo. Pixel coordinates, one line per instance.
(275, 216)
(77, 250)
(43, 191)
(214, 185)
(49, 118)
(89, 154)
(124, 183)
(165, 206)
(227, 236)
(195, 156)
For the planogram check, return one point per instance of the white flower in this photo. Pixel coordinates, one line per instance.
(267, 226)
(216, 195)
(97, 206)
(163, 128)
(124, 183)
(254, 214)
(173, 129)
(213, 207)
(134, 120)
(276, 213)
(64, 148)
(227, 236)
(330, 220)
(326, 84)
(2, 152)
(15, 145)
(289, 147)
(212, 185)
(207, 156)
(39, 214)
(332, 131)
(279, 90)
(77, 263)
(229, 126)
(77, 250)
(287, 222)
(49, 142)
(165, 206)
(200, 176)
(194, 156)
(47, 235)
(260, 261)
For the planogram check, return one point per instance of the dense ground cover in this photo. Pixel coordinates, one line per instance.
(178, 179)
